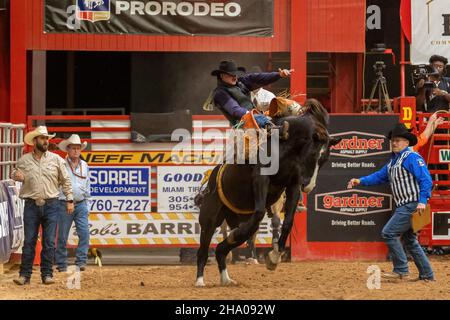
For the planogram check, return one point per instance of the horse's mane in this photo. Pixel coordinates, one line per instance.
(320, 115)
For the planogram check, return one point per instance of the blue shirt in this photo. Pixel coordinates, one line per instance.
(80, 181)
(414, 164)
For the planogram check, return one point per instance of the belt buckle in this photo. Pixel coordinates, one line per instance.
(39, 202)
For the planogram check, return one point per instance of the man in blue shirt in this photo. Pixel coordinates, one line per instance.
(79, 174)
(411, 186)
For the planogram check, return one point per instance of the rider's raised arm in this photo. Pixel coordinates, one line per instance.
(254, 81)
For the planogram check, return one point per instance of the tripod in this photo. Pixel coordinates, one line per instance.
(383, 95)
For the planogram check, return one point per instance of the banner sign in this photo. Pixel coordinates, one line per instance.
(120, 189)
(177, 187)
(15, 209)
(154, 229)
(174, 17)
(5, 232)
(444, 155)
(153, 157)
(441, 225)
(338, 214)
(430, 23)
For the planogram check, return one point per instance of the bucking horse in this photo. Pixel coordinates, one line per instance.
(240, 194)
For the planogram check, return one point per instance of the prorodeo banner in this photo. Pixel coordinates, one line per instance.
(191, 17)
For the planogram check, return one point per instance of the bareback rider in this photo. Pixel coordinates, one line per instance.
(233, 93)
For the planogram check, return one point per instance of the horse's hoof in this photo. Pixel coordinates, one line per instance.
(229, 283)
(270, 265)
(200, 283)
(273, 259)
(225, 279)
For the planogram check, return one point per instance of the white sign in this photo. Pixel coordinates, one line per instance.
(441, 225)
(154, 229)
(444, 155)
(120, 189)
(430, 28)
(178, 185)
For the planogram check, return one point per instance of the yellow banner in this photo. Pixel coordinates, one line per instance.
(152, 157)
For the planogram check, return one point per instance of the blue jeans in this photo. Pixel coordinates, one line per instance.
(33, 217)
(400, 226)
(80, 216)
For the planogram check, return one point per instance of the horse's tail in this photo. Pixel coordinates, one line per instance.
(198, 199)
(210, 181)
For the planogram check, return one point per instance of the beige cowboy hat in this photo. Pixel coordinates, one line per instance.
(39, 131)
(73, 139)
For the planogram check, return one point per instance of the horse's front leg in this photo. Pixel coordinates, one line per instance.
(245, 230)
(292, 197)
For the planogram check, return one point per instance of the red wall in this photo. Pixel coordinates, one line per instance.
(4, 66)
(336, 25)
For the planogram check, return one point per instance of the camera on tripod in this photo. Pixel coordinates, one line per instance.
(378, 67)
(379, 86)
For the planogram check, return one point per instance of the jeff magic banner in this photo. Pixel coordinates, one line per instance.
(175, 17)
(338, 214)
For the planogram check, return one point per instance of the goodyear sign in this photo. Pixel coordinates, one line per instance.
(153, 229)
(120, 189)
(178, 185)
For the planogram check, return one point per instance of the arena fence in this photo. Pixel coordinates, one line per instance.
(11, 147)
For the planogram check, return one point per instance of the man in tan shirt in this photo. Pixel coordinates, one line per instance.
(42, 173)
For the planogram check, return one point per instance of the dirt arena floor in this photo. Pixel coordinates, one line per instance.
(300, 280)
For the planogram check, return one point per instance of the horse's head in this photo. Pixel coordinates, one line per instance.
(316, 154)
(317, 151)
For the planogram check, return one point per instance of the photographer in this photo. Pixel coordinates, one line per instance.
(433, 89)
(433, 95)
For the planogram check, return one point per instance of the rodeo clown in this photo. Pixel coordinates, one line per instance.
(411, 185)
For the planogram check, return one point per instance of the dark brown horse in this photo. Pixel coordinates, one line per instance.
(240, 194)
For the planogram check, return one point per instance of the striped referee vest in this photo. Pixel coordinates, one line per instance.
(404, 185)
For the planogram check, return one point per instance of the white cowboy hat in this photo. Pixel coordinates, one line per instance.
(73, 139)
(39, 131)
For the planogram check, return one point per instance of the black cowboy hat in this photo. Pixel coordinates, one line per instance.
(229, 67)
(400, 130)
